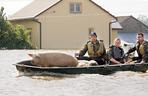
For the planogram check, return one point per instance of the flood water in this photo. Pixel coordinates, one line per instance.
(118, 84)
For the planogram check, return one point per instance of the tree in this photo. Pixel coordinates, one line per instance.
(143, 19)
(22, 37)
(12, 37)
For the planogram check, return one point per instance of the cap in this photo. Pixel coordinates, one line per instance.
(93, 34)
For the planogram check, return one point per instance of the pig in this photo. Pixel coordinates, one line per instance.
(53, 60)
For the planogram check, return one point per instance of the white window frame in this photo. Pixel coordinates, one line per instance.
(75, 7)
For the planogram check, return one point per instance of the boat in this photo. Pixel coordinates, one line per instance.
(28, 68)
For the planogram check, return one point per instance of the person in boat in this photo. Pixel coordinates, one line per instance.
(139, 47)
(116, 52)
(96, 51)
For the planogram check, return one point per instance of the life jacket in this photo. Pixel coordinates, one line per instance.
(140, 49)
(96, 50)
(145, 57)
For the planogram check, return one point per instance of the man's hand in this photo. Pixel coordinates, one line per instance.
(76, 54)
(142, 62)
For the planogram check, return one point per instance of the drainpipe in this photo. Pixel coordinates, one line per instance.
(110, 31)
(40, 24)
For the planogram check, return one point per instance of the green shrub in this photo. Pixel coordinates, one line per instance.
(13, 37)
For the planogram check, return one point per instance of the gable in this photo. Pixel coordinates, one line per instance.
(88, 8)
(38, 7)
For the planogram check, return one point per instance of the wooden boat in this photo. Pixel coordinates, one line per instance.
(27, 67)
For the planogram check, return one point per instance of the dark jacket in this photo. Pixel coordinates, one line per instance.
(116, 52)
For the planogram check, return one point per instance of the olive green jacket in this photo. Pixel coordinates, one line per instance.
(139, 48)
(94, 50)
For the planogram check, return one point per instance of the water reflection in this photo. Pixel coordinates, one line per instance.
(130, 73)
(56, 76)
(49, 76)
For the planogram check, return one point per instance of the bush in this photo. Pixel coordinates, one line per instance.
(13, 37)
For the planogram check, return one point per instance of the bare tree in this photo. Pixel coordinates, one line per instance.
(143, 19)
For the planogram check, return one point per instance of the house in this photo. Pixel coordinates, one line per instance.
(65, 24)
(131, 26)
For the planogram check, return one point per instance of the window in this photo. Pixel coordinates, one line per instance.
(75, 7)
(90, 30)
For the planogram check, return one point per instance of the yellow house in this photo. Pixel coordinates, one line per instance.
(65, 24)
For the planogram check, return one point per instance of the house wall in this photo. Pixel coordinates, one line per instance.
(34, 27)
(63, 30)
(114, 35)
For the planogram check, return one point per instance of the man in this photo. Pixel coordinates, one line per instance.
(96, 50)
(116, 52)
(139, 47)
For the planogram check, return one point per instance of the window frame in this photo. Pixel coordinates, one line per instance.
(75, 7)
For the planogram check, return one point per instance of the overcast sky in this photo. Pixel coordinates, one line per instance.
(115, 7)
(125, 7)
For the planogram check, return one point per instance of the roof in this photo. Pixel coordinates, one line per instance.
(37, 7)
(115, 25)
(122, 18)
(33, 9)
(131, 24)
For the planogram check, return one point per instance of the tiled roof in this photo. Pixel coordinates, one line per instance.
(131, 24)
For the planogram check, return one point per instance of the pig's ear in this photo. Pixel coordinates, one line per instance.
(34, 55)
(31, 55)
(37, 56)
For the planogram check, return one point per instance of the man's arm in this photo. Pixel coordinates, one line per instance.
(83, 51)
(131, 50)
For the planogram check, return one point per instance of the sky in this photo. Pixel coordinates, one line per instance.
(125, 7)
(115, 7)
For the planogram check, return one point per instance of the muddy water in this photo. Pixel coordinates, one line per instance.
(118, 84)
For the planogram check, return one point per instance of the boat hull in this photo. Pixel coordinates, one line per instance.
(27, 67)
